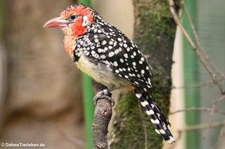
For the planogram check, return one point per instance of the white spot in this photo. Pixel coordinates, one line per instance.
(171, 140)
(125, 45)
(164, 126)
(86, 52)
(115, 43)
(138, 95)
(159, 116)
(144, 104)
(100, 50)
(111, 54)
(95, 30)
(147, 68)
(150, 112)
(157, 122)
(142, 71)
(96, 40)
(156, 130)
(81, 42)
(162, 131)
(134, 63)
(128, 49)
(104, 42)
(85, 21)
(117, 71)
(105, 91)
(121, 60)
(111, 42)
(126, 76)
(152, 105)
(115, 64)
(124, 69)
(110, 47)
(125, 55)
(134, 53)
(119, 39)
(103, 56)
(95, 55)
(152, 121)
(136, 82)
(93, 52)
(99, 31)
(105, 49)
(117, 51)
(140, 62)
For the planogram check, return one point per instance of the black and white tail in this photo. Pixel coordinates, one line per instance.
(156, 116)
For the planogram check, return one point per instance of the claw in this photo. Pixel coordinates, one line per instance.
(104, 94)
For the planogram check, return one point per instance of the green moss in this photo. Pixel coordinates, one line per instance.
(128, 131)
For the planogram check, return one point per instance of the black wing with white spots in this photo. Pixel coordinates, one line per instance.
(106, 44)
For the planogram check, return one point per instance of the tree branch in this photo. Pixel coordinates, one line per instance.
(203, 126)
(197, 109)
(202, 57)
(201, 84)
(102, 116)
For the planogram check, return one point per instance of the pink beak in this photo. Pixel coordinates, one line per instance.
(56, 22)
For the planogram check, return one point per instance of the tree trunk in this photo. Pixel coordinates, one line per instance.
(43, 100)
(154, 33)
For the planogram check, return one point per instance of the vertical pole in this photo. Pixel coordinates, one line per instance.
(88, 108)
(190, 77)
(87, 98)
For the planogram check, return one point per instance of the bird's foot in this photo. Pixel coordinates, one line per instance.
(103, 94)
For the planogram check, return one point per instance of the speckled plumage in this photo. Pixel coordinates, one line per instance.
(108, 56)
(103, 44)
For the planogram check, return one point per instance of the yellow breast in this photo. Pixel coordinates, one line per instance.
(100, 73)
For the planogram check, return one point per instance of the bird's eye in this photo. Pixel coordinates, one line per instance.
(72, 17)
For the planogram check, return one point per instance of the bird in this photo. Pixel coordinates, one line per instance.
(109, 57)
